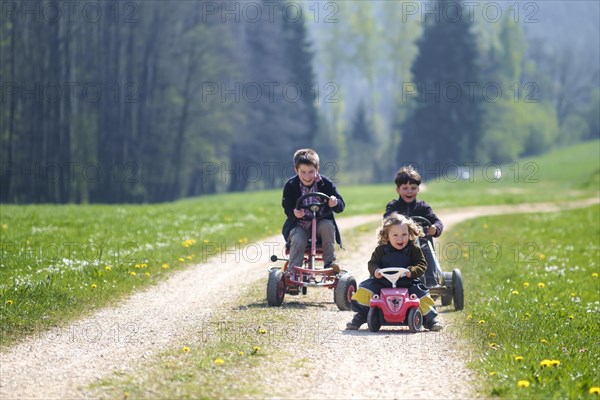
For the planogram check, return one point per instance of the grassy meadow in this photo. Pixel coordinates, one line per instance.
(532, 301)
(61, 261)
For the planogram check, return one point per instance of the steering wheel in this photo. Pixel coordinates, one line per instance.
(316, 207)
(392, 274)
(422, 222)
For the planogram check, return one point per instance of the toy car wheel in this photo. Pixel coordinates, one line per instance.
(374, 319)
(457, 290)
(415, 320)
(342, 294)
(275, 288)
(447, 294)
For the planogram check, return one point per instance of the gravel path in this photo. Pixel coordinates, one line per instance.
(389, 364)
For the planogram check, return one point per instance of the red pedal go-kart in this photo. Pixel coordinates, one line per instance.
(394, 306)
(308, 275)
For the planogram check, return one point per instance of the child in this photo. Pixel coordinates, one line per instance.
(397, 248)
(408, 183)
(296, 229)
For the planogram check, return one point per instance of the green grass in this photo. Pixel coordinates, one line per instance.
(58, 262)
(564, 174)
(532, 296)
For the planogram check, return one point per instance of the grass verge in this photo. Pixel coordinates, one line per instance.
(532, 301)
(58, 262)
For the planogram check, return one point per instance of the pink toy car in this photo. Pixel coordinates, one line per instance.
(394, 306)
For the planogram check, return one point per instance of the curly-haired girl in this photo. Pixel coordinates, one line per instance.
(396, 248)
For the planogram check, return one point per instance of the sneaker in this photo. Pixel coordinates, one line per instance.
(333, 265)
(356, 322)
(435, 326)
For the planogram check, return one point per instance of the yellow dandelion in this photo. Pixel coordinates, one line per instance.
(523, 383)
(93, 286)
(518, 358)
(571, 316)
(594, 274)
(545, 363)
(108, 268)
(219, 361)
(525, 285)
(188, 243)
(543, 341)
(241, 353)
(493, 373)
(133, 273)
(595, 390)
(138, 266)
(262, 331)
(205, 241)
(541, 285)
(492, 334)
(4, 226)
(515, 292)
(181, 259)
(469, 317)
(144, 265)
(189, 257)
(185, 349)
(146, 273)
(554, 363)
(493, 345)
(255, 350)
(481, 322)
(165, 266)
(542, 256)
(527, 315)
(9, 302)
(485, 226)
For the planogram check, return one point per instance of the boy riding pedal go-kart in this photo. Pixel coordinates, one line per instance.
(295, 279)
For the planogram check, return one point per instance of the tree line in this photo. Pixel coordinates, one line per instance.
(438, 82)
(150, 101)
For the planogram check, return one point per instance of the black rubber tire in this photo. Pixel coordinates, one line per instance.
(374, 319)
(458, 293)
(343, 292)
(414, 320)
(275, 288)
(447, 295)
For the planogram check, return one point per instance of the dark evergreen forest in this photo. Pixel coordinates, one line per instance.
(151, 101)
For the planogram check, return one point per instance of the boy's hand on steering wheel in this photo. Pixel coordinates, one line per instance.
(333, 201)
(378, 274)
(431, 231)
(299, 213)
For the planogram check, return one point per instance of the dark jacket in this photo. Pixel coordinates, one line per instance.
(411, 257)
(419, 208)
(292, 192)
